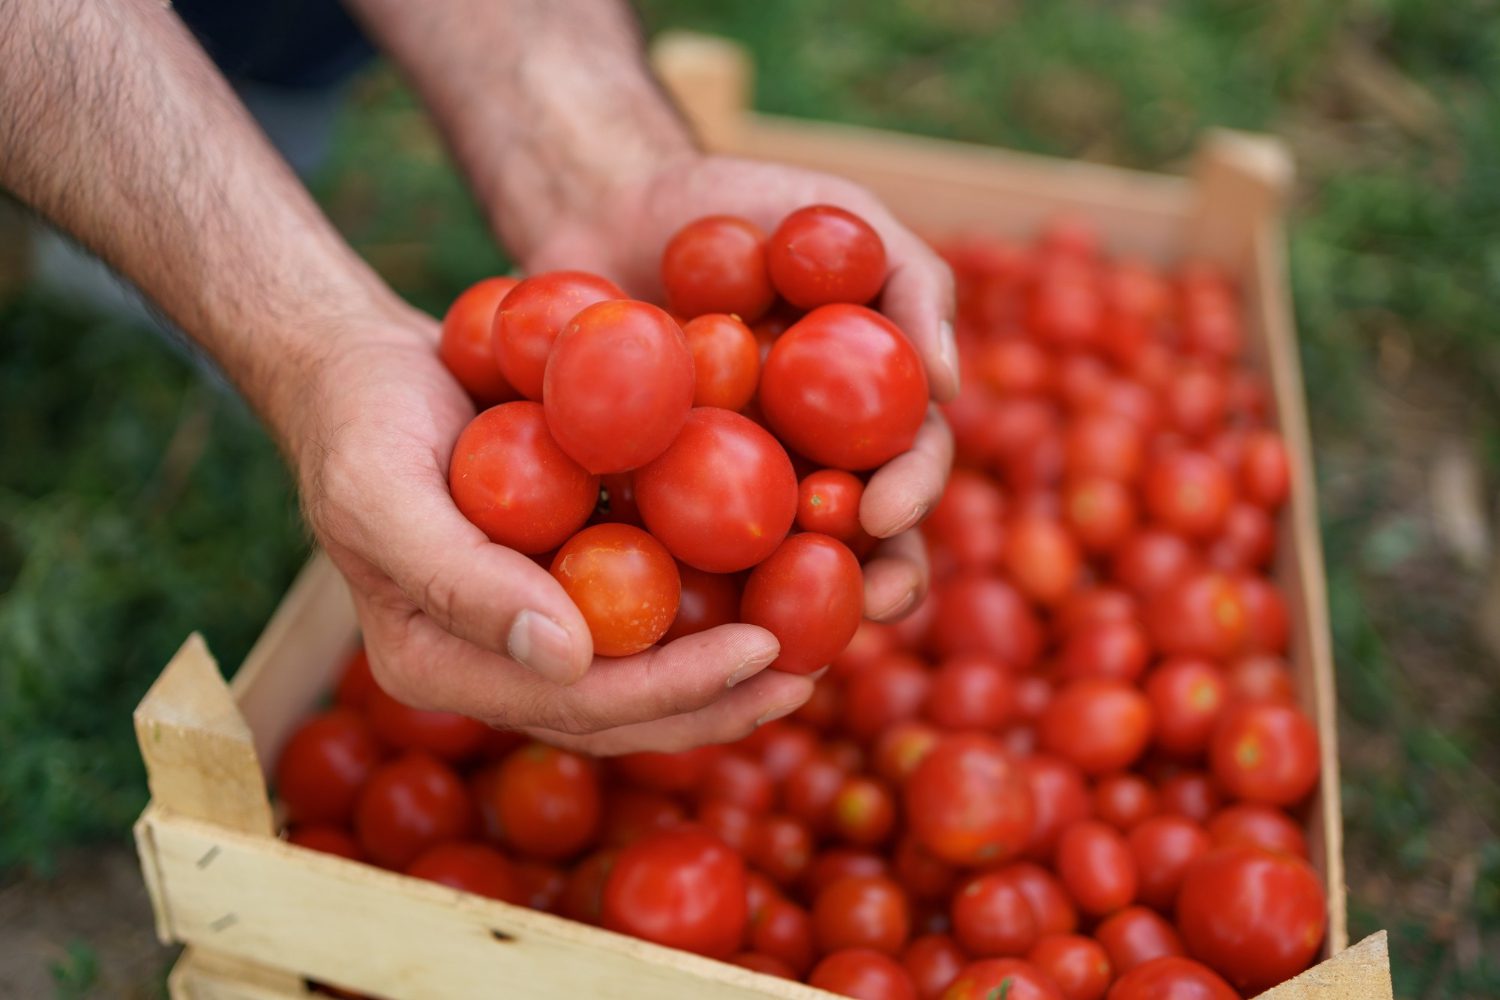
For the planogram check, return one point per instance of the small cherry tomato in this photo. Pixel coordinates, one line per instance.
(682, 888)
(1187, 696)
(971, 692)
(823, 254)
(862, 813)
(707, 601)
(1260, 677)
(625, 584)
(968, 803)
(717, 264)
(862, 912)
(784, 930)
(1189, 492)
(531, 316)
(333, 840)
(900, 747)
(1171, 978)
(1095, 863)
(923, 876)
(1011, 978)
(448, 735)
(810, 595)
(469, 867)
(781, 847)
(628, 815)
(1136, 935)
(1078, 965)
(933, 962)
(323, 766)
(544, 802)
(466, 346)
(1125, 800)
(1049, 900)
(986, 615)
(1117, 649)
(1059, 798)
(673, 773)
(1189, 793)
(355, 681)
(726, 361)
(1099, 723)
(1164, 847)
(1265, 753)
(840, 863)
(1265, 474)
(864, 974)
(1152, 560)
(408, 805)
(1042, 558)
(1259, 826)
(1201, 614)
(828, 503)
(991, 917)
(1101, 513)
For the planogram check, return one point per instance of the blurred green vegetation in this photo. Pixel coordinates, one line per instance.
(139, 501)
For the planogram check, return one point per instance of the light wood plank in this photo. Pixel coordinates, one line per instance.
(1362, 972)
(203, 975)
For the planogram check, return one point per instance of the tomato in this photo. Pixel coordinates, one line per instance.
(1267, 622)
(1202, 614)
(448, 735)
(760, 892)
(722, 497)
(1258, 826)
(840, 863)
(1078, 965)
(625, 584)
(717, 264)
(971, 692)
(1265, 753)
(1265, 473)
(862, 912)
(510, 478)
(1187, 696)
(739, 778)
(822, 254)
(863, 812)
(1014, 366)
(864, 974)
(845, 388)
(967, 523)
(1260, 677)
(531, 316)
(541, 885)
(355, 681)
(707, 600)
(1136, 935)
(1068, 237)
(1100, 512)
(621, 364)
(783, 747)
(824, 708)
(986, 615)
(1042, 558)
(1033, 695)
(1255, 916)
(1093, 605)
(323, 766)
(923, 876)
(729, 821)
(1081, 379)
(991, 917)
(408, 805)
(968, 803)
(1011, 978)
(1197, 399)
(828, 503)
(784, 930)
(810, 595)
(1117, 649)
(1095, 864)
(808, 791)
(1125, 800)
(1189, 793)
(1099, 723)
(780, 846)
(1152, 560)
(544, 802)
(1189, 492)
(1066, 309)
(1164, 847)
(726, 361)
(768, 964)
(628, 814)
(681, 888)
(668, 772)
(583, 894)
(933, 961)
(1059, 798)
(466, 346)
(872, 641)
(469, 867)
(333, 840)
(900, 748)
(1171, 978)
(1247, 541)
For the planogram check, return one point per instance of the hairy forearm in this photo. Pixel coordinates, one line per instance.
(548, 104)
(115, 126)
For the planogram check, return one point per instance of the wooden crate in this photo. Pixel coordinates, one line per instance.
(261, 916)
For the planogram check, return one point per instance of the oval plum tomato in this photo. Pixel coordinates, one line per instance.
(810, 595)
(1260, 677)
(864, 974)
(1100, 512)
(828, 503)
(448, 735)
(971, 692)
(717, 264)
(583, 895)
(1110, 649)
(1125, 800)
(1059, 798)
(1171, 978)
(1164, 847)
(1099, 723)
(673, 773)
(722, 497)
(467, 347)
(469, 867)
(1189, 492)
(862, 912)
(1265, 474)
(1187, 695)
(985, 615)
(1189, 793)
(1011, 978)
(1042, 558)
(707, 601)
(726, 361)
(532, 315)
(1136, 935)
(991, 918)
(1078, 965)
(1255, 916)
(1095, 864)
(845, 388)
(1259, 826)
(767, 964)
(780, 846)
(822, 254)
(333, 840)
(933, 961)
(1049, 900)
(355, 681)
(624, 583)
(784, 930)
(967, 802)
(1152, 560)
(1202, 614)
(323, 766)
(617, 365)
(682, 888)
(408, 805)
(509, 477)
(629, 814)
(900, 747)
(545, 802)
(862, 812)
(1265, 753)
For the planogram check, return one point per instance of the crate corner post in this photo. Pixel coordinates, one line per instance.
(1241, 181)
(710, 78)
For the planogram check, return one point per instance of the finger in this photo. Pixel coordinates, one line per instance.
(896, 578)
(918, 298)
(903, 490)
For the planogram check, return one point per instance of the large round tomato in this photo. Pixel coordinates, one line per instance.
(510, 478)
(862, 912)
(864, 974)
(708, 600)
(467, 345)
(624, 583)
(476, 868)
(408, 805)
(1098, 723)
(543, 802)
(822, 254)
(845, 388)
(717, 264)
(1265, 753)
(324, 765)
(1171, 978)
(985, 614)
(967, 802)
(682, 888)
(810, 595)
(726, 361)
(532, 315)
(723, 496)
(1078, 965)
(448, 735)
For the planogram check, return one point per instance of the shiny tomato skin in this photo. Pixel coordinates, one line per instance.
(1125, 800)
(628, 813)
(616, 365)
(968, 522)
(1265, 753)
(828, 504)
(624, 583)
(862, 813)
(1171, 978)
(509, 477)
(1095, 864)
(933, 961)
(531, 316)
(1078, 965)
(323, 766)
(717, 264)
(1093, 605)
(682, 888)
(1136, 935)
(705, 601)
(808, 792)
(839, 863)
(1202, 614)
(1189, 492)
(809, 593)
(546, 803)
(1100, 724)
(723, 496)
(1260, 677)
(1014, 366)
(781, 847)
(739, 778)
(1164, 848)
(862, 912)
(900, 747)
(844, 388)
(466, 346)
(1013, 978)
(1152, 560)
(469, 867)
(1197, 399)
(729, 821)
(1189, 793)
(1255, 916)
(784, 930)
(1101, 513)
(992, 919)
(1258, 826)
(448, 735)
(355, 681)
(1119, 649)
(1265, 471)
(864, 974)
(985, 615)
(1187, 694)
(1059, 798)
(335, 840)
(1042, 558)
(967, 802)
(408, 805)
(822, 254)
(726, 361)
(782, 747)
(1049, 900)
(674, 773)
(1246, 542)
(971, 692)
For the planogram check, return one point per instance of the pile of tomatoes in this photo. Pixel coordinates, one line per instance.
(1076, 771)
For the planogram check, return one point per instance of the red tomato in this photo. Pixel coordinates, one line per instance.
(1093, 606)
(722, 497)
(756, 962)
(682, 888)
(739, 778)
(333, 840)
(1265, 473)
(971, 692)
(408, 805)
(1081, 379)
(864, 974)
(1187, 696)
(986, 615)
(1265, 753)
(355, 681)
(583, 895)
(991, 917)
(1171, 978)
(532, 315)
(1049, 901)
(545, 802)
(448, 735)
(760, 892)
(808, 791)
(1095, 863)
(923, 876)
(1189, 793)
(466, 347)
(871, 641)
(1068, 237)
(617, 500)
(730, 822)
(784, 930)
(1042, 558)
(810, 595)
(1125, 800)
(933, 961)
(621, 364)
(1255, 916)
(1197, 399)
(1258, 826)
(863, 812)
(1066, 309)
(1260, 677)
(1248, 539)
(845, 388)
(822, 254)
(510, 478)
(783, 747)
(1033, 695)
(1152, 560)
(840, 863)
(967, 523)
(900, 748)
(541, 885)
(968, 803)
(324, 765)
(1164, 847)
(862, 912)
(1059, 798)
(1118, 649)
(1098, 723)
(780, 846)
(1011, 978)
(1202, 614)
(717, 264)
(1078, 965)
(629, 814)
(1267, 622)
(828, 503)
(1014, 366)
(824, 708)
(1100, 512)
(469, 867)
(707, 601)
(1189, 492)
(1136, 935)
(624, 583)
(668, 772)
(726, 361)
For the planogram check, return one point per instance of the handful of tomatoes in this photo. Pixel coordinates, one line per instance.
(1076, 772)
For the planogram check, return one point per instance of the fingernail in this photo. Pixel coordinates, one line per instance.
(538, 642)
(779, 713)
(948, 348)
(899, 608)
(908, 522)
(752, 665)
